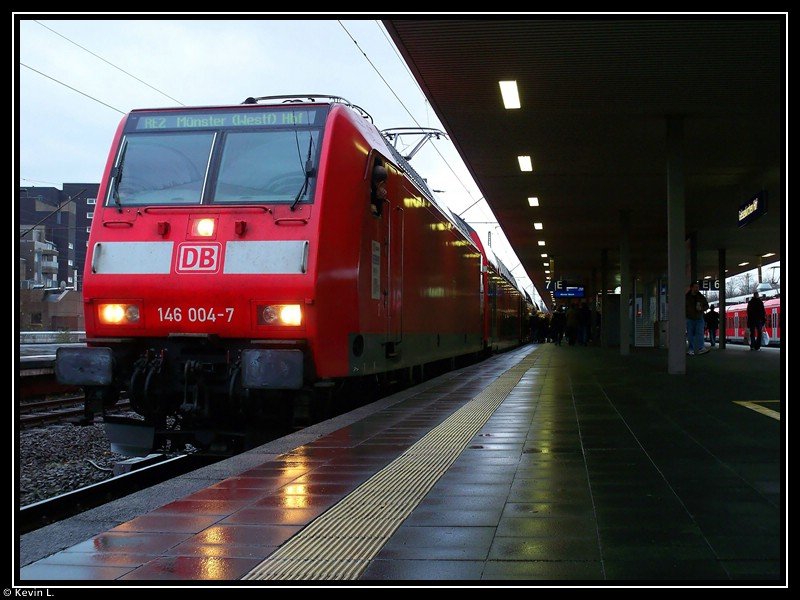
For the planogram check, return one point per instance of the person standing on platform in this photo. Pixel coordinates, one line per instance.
(584, 324)
(696, 306)
(557, 324)
(534, 327)
(572, 323)
(756, 317)
(712, 323)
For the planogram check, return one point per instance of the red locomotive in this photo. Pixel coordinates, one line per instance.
(250, 253)
(736, 329)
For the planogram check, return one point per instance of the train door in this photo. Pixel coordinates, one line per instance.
(484, 288)
(385, 278)
(493, 332)
(381, 195)
(396, 230)
(774, 323)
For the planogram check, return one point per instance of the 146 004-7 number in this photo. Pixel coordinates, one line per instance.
(195, 314)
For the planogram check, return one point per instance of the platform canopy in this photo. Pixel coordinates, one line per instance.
(595, 96)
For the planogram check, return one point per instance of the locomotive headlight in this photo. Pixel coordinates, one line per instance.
(280, 314)
(132, 313)
(112, 314)
(118, 314)
(269, 315)
(203, 227)
(291, 314)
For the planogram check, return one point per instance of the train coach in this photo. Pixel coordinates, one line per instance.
(736, 329)
(244, 255)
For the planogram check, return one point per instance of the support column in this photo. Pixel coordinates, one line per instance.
(723, 293)
(626, 290)
(603, 298)
(693, 257)
(676, 249)
(591, 297)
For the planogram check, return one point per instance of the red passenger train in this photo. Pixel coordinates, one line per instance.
(244, 254)
(736, 329)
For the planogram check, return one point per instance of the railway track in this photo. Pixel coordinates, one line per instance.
(56, 410)
(39, 514)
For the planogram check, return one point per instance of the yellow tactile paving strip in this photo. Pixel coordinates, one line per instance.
(340, 543)
(756, 406)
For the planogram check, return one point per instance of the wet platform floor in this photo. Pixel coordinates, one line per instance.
(594, 468)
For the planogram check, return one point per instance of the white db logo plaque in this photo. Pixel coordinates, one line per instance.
(198, 258)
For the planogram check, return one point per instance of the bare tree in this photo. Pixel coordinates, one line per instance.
(747, 284)
(730, 287)
(775, 280)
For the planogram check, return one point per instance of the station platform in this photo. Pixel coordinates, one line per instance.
(544, 464)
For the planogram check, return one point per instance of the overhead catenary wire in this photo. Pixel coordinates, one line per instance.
(108, 62)
(400, 58)
(405, 66)
(38, 181)
(71, 88)
(410, 114)
(51, 213)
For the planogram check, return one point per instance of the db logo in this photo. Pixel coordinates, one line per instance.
(198, 258)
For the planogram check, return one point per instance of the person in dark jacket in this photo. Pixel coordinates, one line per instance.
(584, 324)
(756, 317)
(696, 306)
(712, 323)
(557, 325)
(572, 324)
(534, 326)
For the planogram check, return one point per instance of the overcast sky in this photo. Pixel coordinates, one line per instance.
(65, 136)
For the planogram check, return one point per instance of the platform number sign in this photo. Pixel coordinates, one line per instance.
(710, 284)
(556, 286)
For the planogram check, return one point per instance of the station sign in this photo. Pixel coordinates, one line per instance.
(571, 291)
(709, 284)
(753, 208)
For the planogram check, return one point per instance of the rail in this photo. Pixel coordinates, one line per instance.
(36, 515)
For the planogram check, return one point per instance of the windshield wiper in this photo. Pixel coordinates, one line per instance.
(117, 174)
(308, 175)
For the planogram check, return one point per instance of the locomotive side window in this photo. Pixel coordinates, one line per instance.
(161, 168)
(378, 191)
(267, 166)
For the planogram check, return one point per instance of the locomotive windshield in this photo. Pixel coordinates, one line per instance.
(244, 156)
(162, 168)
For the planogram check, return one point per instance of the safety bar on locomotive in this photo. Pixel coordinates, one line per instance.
(280, 369)
(286, 98)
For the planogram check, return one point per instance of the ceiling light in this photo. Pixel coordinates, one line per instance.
(525, 163)
(541, 242)
(547, 264)
(547, 271)
(510, 94)
(535, 202)
(707, 277)
(767, 255)
(544, 255)
(744, 263)
(538, 226)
